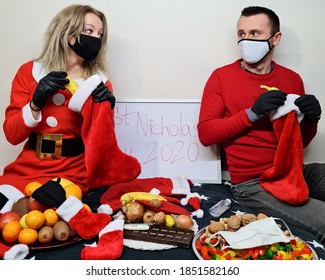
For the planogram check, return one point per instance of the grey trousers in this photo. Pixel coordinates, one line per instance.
(309, 216)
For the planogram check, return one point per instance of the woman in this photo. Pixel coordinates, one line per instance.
(68, 133)
(62, 102)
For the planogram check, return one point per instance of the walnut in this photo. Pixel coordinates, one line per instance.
(234, 223)
(248, 218)
(261, 216)
(215, 227)
(155, 203)
(159, 218)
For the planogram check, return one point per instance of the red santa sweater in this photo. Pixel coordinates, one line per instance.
(250, 147)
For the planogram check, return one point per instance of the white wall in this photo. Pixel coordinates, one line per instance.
(166, 49)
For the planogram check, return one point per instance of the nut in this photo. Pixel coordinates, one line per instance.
(155, 203)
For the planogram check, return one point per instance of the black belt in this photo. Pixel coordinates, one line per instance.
(54, 146)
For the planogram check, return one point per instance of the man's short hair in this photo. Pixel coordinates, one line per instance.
(255, 10)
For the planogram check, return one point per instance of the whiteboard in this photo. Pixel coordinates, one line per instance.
(163, 136)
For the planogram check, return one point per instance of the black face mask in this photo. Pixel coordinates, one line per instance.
(87, 47)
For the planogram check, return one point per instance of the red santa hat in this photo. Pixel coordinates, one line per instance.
(105, 162)
(285, 180)
(194, 200)
(158, 185)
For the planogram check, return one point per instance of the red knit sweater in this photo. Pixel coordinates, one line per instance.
(249, 147)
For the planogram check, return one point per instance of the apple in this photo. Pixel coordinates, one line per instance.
(7, 217)
(33, 204)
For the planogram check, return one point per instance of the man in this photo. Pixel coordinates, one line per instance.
(235, 112)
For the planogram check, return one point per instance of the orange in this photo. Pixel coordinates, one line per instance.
(50, 217)
(11, 231)
(27, 236)
(63, 182)
(31, 187)
(87, 207)
(35, 219)
(74, 190)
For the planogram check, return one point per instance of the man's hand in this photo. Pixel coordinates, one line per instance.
(309, 105)
(48, 85)
(268, 101)
(102, 93)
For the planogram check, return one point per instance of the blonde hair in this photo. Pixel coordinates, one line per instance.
(66, 24)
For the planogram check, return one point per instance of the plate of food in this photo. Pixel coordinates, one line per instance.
(208, 244)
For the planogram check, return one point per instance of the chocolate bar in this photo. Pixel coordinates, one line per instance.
(162, 235)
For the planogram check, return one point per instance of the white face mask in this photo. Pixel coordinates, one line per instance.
(258, 233)
(253, 51)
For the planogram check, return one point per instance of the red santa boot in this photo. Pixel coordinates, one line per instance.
(105, 162)
(285, 179)
(110, 244)
(15, 252)
(86, 224)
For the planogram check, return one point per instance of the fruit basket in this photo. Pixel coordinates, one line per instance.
(215, 248)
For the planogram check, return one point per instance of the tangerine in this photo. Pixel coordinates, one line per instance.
(87, 207)
(63, 182)
(51, 217)
(27, 236)
(35, 219)
(31, 187)
(74, 190)
(11, 231)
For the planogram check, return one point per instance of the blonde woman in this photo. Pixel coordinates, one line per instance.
(62, 104)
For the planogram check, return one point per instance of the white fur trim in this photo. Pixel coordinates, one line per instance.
(79, 98)
(105, 208)
(180, 185)
(28, 116)
(184, 201)
(199, 213)
(112, 226)
(69, 208)
(38, 71)
(287, 107)
(102, 76)
(7, 207)
(11, 192)
(154, 191)
(16, 252)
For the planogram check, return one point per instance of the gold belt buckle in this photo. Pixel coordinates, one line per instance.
(55, 142)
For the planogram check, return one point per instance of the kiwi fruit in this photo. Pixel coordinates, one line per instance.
(45, 234)
(61, 231)
(21, 206)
